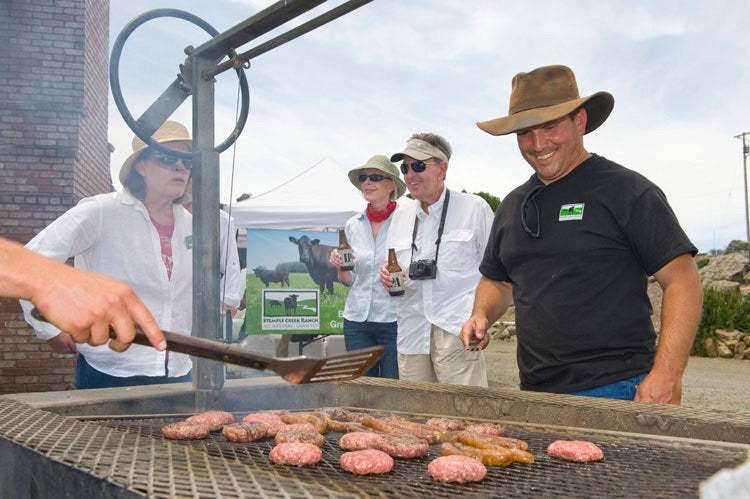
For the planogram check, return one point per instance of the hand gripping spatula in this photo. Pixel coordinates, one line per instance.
(342, 367)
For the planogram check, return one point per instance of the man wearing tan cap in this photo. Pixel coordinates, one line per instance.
(573, 248)
(439, 242)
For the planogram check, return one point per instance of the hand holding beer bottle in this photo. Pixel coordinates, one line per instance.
(397, 288)
(345, 252)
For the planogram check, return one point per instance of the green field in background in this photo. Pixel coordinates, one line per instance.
(330, 305)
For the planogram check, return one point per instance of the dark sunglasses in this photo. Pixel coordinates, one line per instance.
(166, 159)
(418, 166)
(529, 202)
(375, 177)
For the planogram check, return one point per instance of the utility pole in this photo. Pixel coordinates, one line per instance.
(745, 153)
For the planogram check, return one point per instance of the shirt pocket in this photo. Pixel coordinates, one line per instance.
(457, 250)
(402, 245)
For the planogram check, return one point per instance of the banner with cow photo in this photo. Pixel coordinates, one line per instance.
(291, 288)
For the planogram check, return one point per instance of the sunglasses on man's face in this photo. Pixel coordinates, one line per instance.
(375, 177)
(166, 159)
(418, 167)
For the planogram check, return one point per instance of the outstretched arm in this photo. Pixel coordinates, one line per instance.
(491, 300)
(680, 314)
(83, 304)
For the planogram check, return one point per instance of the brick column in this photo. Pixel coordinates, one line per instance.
(53, 148)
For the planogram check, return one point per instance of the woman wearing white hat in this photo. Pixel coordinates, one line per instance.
(369, 313)
(142, 237)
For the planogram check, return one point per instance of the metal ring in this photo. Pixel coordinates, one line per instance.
(114, 79)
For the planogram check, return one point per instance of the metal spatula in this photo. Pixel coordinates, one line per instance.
(297, 370)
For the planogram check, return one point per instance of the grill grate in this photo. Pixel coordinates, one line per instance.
(631, 467)
(131, 452)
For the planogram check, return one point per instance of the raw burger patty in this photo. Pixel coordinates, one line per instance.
(213, 419)
(245, 432)
(295, 454)
(575, 450)
(366, 462)
(308, 437)
(360, 440)
(458, 469)
(403, 446)
(185, 431)
(273, 421)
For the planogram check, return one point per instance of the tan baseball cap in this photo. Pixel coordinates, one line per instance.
(419, 149)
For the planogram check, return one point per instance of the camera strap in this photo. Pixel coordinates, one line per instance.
(440, 228)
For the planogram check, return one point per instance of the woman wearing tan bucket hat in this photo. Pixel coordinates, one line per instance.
(573, 248)
(142, 237)
(369, 313)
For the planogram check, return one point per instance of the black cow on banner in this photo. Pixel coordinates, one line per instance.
(315, 256)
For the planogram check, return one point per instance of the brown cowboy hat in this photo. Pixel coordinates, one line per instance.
(170, 131)
(546, 94)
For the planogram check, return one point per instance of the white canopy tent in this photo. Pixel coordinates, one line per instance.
(319, 197)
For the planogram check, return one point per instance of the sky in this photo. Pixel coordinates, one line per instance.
(362, 84)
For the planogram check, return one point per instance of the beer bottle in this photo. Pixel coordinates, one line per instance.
(397, 289)
(345, 252)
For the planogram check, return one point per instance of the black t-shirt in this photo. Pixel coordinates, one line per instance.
(580, 270)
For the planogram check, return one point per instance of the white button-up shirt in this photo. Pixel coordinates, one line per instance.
(447, 300)
(367, 299)
(112, 234)
(233, 281)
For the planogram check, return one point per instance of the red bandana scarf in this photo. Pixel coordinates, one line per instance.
(380, 215)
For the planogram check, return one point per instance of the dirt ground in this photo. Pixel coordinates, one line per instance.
(720, 384)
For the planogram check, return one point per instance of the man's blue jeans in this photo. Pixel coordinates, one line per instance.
(369, 334)
(622, 390)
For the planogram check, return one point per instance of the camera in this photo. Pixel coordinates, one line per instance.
(422, 269)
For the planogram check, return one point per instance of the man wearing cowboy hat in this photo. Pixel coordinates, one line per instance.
(573, 248)
(440, 240)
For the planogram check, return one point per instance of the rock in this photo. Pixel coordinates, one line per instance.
(724, 351)
(710, 347)
(730, 267)
(725, 287)
(742, 247)
(729, 335)
(740, 350)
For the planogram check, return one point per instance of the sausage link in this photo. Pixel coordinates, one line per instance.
(496, 443)
(432, 435)
(489, 457)
(383, 427)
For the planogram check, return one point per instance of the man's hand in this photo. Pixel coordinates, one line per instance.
(474, 333)
(85, 304)
(385, 277)
(655, 388)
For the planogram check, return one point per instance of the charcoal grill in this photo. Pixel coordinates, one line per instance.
(108, 443)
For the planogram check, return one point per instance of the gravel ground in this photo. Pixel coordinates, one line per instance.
(720, 384)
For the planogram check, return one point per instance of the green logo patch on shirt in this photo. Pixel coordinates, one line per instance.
(572, 211)
(189, 242)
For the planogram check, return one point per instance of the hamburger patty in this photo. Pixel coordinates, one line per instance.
(213, 419)
(366, 462)
(575, 450)
(457, 469)
(185, 431)
(295, 454)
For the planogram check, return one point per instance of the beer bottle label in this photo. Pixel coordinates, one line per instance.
(398, 282)
(347, 259)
